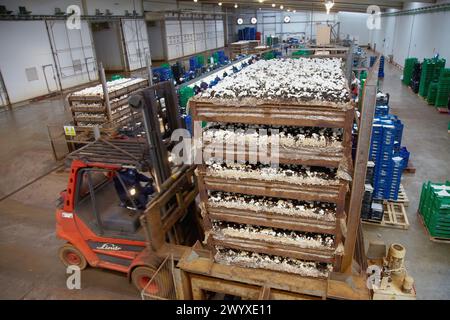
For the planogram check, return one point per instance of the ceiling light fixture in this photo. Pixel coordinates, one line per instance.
(220, 3)
(240, 21)
(288, 10)
(294, 11)
(287, 19)
(281, 7)
(253, 20)
(195, 0)
(235, 5)
(261, 1)
(328, 5)
(273, 5)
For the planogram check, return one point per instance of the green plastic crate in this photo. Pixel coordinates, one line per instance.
(434, 206)
(408, 70)
(432, 93)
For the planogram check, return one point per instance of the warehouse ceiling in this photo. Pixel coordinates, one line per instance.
(316, 5)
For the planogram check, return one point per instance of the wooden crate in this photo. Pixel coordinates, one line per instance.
(277, 189)
(288, 114)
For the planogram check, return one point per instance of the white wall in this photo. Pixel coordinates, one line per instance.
(419, 35)
(41, 6)
(32, 51)
(116, 7)
(304, 22)
(354, 24)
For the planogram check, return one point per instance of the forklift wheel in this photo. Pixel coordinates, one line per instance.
(161, 286)
(71, 256)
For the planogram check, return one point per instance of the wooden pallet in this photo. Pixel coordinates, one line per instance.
(409, 168)
(394, 217)
(199, 274)
(442, 110)
(434, 239)
(402, 197)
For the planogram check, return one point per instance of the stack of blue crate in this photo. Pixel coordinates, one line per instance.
(193, 64)
(385, 146)
(381, 111)
(381, 68)
(222, 58)
(163, 73)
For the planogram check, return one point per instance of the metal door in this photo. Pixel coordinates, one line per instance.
(50, 77)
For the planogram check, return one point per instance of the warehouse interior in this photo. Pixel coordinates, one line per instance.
(354, 206)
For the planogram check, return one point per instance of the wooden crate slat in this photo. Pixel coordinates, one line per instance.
(274, 249)
(271, 220)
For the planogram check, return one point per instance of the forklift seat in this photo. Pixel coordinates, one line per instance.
(121, 221)
(113, 217)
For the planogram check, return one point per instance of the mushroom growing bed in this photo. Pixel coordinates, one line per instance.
(293, 174)
(304, 80)
(273, 235)
(276, 263)
(324, 139)
(305, 209)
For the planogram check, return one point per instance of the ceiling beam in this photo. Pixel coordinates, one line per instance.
(340, 5)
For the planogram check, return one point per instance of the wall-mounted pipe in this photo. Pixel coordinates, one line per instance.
(436, 8)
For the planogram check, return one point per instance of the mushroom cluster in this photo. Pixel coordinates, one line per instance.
(271, 262)
(308, 209)
(300, 80)
(286, 136)
(290, 173)
(274, 235)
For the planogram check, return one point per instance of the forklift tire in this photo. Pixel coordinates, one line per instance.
(161, 286)
(71, 256)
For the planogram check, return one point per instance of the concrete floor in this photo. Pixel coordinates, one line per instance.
(29, 266)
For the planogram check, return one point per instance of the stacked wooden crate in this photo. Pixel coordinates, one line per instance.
(291, 218)
(239, 47)
(89, 106)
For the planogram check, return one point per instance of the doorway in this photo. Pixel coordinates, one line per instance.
(107, 37)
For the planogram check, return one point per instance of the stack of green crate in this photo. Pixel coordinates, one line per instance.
(185, 93)
(434, 207)
(408, 70)
(216, 57)
(301, 53)
(443, 88)
(431, 69)
(268, 55)
(200, 61)
(432, 92)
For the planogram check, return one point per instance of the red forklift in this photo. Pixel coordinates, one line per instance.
(111, 223)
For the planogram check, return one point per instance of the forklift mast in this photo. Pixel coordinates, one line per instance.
(158, 103)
